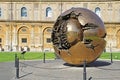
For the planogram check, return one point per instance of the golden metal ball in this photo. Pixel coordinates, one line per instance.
(78, 35)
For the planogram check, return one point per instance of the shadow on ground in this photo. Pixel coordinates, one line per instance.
(93, 64)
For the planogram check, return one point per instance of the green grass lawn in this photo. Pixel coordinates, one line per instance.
(10, 56)
(107, 55)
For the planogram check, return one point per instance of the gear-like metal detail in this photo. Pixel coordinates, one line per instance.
(78, 34)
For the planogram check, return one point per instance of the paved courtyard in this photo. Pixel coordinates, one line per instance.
(59, 70)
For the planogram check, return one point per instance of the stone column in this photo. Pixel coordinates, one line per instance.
(14, 38)
(40, 37)
(32, 38)
(7, 48)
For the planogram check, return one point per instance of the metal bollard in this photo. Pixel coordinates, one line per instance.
(44, 57)
(15, 59)
(84, 70)
(111, 56)
(17, 68)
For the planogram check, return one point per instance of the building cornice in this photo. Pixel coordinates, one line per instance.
(26, 21)
(30, 21)
(111, 22)
(57, 0)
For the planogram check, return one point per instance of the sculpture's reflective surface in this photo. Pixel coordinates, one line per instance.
(78, 35)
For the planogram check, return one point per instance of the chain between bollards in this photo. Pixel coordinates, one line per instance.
(90, 78)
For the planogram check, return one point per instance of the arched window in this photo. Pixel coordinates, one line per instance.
(23, 12)
(48, 12)
(98, 11)
(0, 12)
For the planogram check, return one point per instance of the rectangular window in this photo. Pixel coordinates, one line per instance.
(0, 12)
(0, 40)
(24, 40)
(48, 40)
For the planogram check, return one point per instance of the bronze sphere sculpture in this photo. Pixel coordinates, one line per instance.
(78, 35)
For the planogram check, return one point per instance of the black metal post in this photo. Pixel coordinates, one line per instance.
(44, 57)
(15, 60)
(84, 70)
(17, 68)
(111, 57)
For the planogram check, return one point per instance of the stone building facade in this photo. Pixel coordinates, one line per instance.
(27, 24)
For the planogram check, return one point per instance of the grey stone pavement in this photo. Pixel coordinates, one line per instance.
(59, 70)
